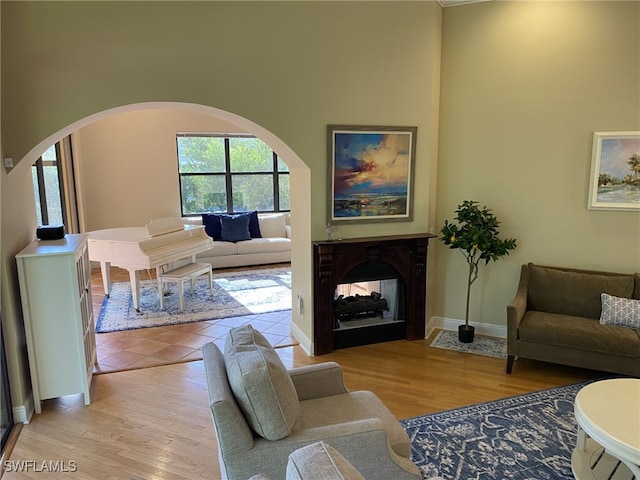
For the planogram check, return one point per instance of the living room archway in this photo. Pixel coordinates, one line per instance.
(299, 171)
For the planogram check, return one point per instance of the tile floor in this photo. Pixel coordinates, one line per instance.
(148, 347)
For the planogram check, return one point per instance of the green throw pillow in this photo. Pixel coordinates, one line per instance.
(260, 383)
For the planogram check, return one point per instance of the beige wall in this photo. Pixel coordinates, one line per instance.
(288, 68)
(330, 62)
(128, 166)
(524, 86)
(18, 230)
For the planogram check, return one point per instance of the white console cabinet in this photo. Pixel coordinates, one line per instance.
(55, 287)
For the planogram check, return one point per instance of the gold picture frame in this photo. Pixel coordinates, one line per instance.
(371, 171)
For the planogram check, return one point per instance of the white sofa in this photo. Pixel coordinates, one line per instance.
(274, 246)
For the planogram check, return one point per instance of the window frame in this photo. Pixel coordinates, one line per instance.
(228, 174)
(39, 174)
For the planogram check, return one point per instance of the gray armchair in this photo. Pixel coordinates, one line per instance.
(357, 424)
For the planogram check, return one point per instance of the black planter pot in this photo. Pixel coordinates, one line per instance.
(465, 333)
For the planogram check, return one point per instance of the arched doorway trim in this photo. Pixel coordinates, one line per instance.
(301, 267)
(284, 151)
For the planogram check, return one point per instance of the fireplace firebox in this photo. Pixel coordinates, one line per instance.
(388, 275)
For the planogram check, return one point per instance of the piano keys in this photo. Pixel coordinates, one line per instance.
(134, 249)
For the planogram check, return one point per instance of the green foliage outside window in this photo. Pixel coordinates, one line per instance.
(230, 174)
(48, 203)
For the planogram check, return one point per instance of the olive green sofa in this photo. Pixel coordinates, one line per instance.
(555, 317)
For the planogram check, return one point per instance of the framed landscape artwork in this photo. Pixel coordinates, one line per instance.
(370, 173)
(615, 171)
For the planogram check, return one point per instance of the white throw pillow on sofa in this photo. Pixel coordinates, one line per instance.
(272, 225)
(620, 311)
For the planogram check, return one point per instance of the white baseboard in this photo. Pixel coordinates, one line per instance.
(435, 322)
(452, 324)
(305, 342)
(23, 413)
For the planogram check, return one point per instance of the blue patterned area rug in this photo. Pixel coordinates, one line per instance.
(235, 294)
(526, 437)
(481, 345)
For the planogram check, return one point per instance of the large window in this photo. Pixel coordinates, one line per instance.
(230, 173)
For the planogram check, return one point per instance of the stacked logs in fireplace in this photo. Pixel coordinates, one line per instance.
(358, 306)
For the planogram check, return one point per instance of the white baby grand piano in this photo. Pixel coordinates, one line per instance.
(134, 249)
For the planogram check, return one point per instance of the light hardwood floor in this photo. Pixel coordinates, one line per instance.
(154, 423)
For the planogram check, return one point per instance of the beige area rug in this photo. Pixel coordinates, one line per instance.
(481, 345)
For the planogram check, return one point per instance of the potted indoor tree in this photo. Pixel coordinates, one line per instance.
(475, 233)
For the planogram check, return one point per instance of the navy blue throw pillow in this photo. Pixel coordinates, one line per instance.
(235, 228)
(254, 226)
(212, 225)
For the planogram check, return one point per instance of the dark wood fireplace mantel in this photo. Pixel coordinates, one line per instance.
(334, 260)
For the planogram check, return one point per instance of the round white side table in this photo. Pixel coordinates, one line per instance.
(608, 416)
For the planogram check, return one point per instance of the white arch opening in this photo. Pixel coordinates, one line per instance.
(284, 151)
(301, 223)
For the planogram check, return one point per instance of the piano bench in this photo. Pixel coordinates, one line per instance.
(178, 275)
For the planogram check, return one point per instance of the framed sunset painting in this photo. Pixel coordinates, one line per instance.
(370, 173)
(614, 182)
